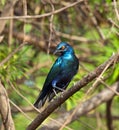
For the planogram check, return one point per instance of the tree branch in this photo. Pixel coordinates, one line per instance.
(109, 114)
(84, 108)
(5, 109)
(46, 14)
(65, 95)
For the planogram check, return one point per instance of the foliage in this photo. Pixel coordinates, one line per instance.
(16, 66)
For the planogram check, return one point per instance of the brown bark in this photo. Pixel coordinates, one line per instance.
(5, 110)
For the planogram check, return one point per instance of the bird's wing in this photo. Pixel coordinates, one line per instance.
(54, 71)
(47, 88)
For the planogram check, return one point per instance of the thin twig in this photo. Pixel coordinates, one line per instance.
(25, 14)
(73, 37)
(43, 15)
(116, 25)
(100, 77)
(51, 25)
(19, 109)
(116, 92)
(11, 29)
(21, 95)
(116, 10)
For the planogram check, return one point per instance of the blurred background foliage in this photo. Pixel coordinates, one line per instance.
(91, 27)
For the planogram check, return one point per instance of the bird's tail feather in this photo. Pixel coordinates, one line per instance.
(40, 101)
(51, 95)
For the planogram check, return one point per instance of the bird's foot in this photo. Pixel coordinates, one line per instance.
(60, 89)
(55, 92)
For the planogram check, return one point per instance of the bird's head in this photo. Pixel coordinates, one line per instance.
(63, 48)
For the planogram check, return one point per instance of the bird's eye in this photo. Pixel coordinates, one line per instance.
(62, 48)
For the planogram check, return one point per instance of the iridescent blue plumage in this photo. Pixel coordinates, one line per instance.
(60, 75)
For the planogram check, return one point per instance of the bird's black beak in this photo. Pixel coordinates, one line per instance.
(57, 52)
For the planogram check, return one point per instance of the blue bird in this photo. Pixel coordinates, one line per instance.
(60, 75)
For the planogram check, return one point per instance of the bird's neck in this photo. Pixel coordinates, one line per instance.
(68, 55)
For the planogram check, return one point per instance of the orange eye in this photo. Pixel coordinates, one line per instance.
(63, 47)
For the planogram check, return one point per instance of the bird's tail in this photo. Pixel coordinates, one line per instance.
(40, 101)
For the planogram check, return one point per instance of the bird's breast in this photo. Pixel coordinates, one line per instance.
(68, 62)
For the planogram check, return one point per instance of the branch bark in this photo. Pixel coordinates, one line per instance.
(5, 109)
(65, 95)
(84, 108)
(109, 114)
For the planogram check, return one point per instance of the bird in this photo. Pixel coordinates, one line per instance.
(60, 74)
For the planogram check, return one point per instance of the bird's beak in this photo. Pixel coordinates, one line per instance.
(57, 52)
